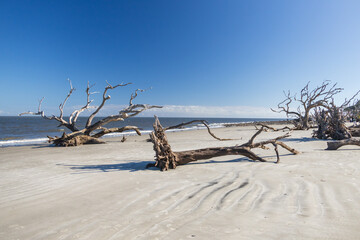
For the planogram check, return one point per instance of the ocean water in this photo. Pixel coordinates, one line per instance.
(15, 131)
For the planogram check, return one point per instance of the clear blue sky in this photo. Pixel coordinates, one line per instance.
(200, 53)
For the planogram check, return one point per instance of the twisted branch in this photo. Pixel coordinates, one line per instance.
(105, 98)
(201, 121)
(74, 116)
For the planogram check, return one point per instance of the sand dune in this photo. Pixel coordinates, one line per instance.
(103, 192)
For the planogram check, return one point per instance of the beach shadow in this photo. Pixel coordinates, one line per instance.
(269, 159)
(141, 166)
(128, 166)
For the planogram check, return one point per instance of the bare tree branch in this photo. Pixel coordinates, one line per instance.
(308, 100)
(61, 107)
(83, 136)
(113, 130)
(130, 111)
(201, 121)
(74, 116)
(272, 128)
(105, 98)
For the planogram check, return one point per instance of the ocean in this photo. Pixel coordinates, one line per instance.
(16, 131)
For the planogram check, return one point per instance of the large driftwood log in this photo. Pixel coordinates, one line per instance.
(166, 159)
(337, 144)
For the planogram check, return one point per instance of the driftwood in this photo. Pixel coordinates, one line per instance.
(267, 127)
(308, 100)
(337, 144)
(331, 124)
(355, 131)
(194, 121)
(331, 121)
(353, 111)
(77, 140)
(92, 131)
(167, 159)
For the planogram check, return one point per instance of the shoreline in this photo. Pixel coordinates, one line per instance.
(43, 140)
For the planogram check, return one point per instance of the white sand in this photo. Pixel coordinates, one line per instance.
(103, 192)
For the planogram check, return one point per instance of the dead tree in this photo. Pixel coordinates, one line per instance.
(331, 121)
(331, 124)
(92, 131)
(167, 159)
(355, 131)
(337, 144)
(307, 101)
(354, 111)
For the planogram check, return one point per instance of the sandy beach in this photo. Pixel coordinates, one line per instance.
(105, 192)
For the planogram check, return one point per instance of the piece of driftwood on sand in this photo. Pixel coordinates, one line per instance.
(308, 99)
(334, 145)
(91, 133)
(167, 159)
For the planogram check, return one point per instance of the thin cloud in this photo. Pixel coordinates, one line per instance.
(214, 111)
(200, 111)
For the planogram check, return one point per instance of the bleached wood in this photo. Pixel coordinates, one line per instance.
(166, 159)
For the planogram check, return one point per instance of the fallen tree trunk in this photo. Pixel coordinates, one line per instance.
(337, 144)
(167, 159)
(267, 127)
(355, 132)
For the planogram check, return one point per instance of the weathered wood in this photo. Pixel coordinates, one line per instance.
(308, 100)
(118, 130)
(334, 145)
(200, 121)
(78, 140)
(91, 130)
(166, 159)
(355, 132)
(274, 129)
(331, 122)
(185, 157)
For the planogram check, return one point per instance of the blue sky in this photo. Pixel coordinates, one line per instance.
(201, 58)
